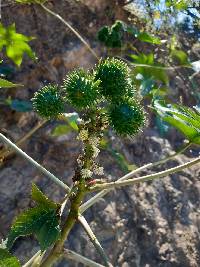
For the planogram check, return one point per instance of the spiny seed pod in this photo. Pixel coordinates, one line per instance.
(113, 74)
(132, 93)
(81, 89)
(127, 117)
(48, 102)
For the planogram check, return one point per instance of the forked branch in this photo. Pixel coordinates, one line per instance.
(145, 178)
(60, 183)
(129, 175)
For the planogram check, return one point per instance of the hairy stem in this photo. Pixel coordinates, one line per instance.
(71, 28)
(72, 218)
(37, 257)
(145, 178)
(44, 171)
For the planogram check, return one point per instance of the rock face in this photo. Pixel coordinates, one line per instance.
(155, 224)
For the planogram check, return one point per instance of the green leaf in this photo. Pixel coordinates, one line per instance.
(74, 125)
(113, 36)
(181, 56)
(49, 233)
(146, 37)
(158, 93)
(143, 59)
(40, 198)
(16, 44)
(73, 121)
(147, 76)
(61, 130)
(21, 105)
(183, 118)
(6, 84)
(121, 160)
(42, 221)
(142, 36)
(179, 5)
(7, 259)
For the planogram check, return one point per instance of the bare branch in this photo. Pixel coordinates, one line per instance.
(5, 153)
(37, 257)
(156, 67)
(94, 240)
(101, 194)
(71, 255)
(72, 29)
(60, 183)
(34, 163)
(145, 178)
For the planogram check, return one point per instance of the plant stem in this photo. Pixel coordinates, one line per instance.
(34, 163)
(101, 194)
(179, 151)
(35, 256)
(145, 178)
(156, 67)
(94, 240)
(38, 260)
(71, 28)
(43, 170)
(5, 153)
(58, 248)
(160, 67)
(71, 255)
(77, 194)
(129, 175)
(34, 260)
